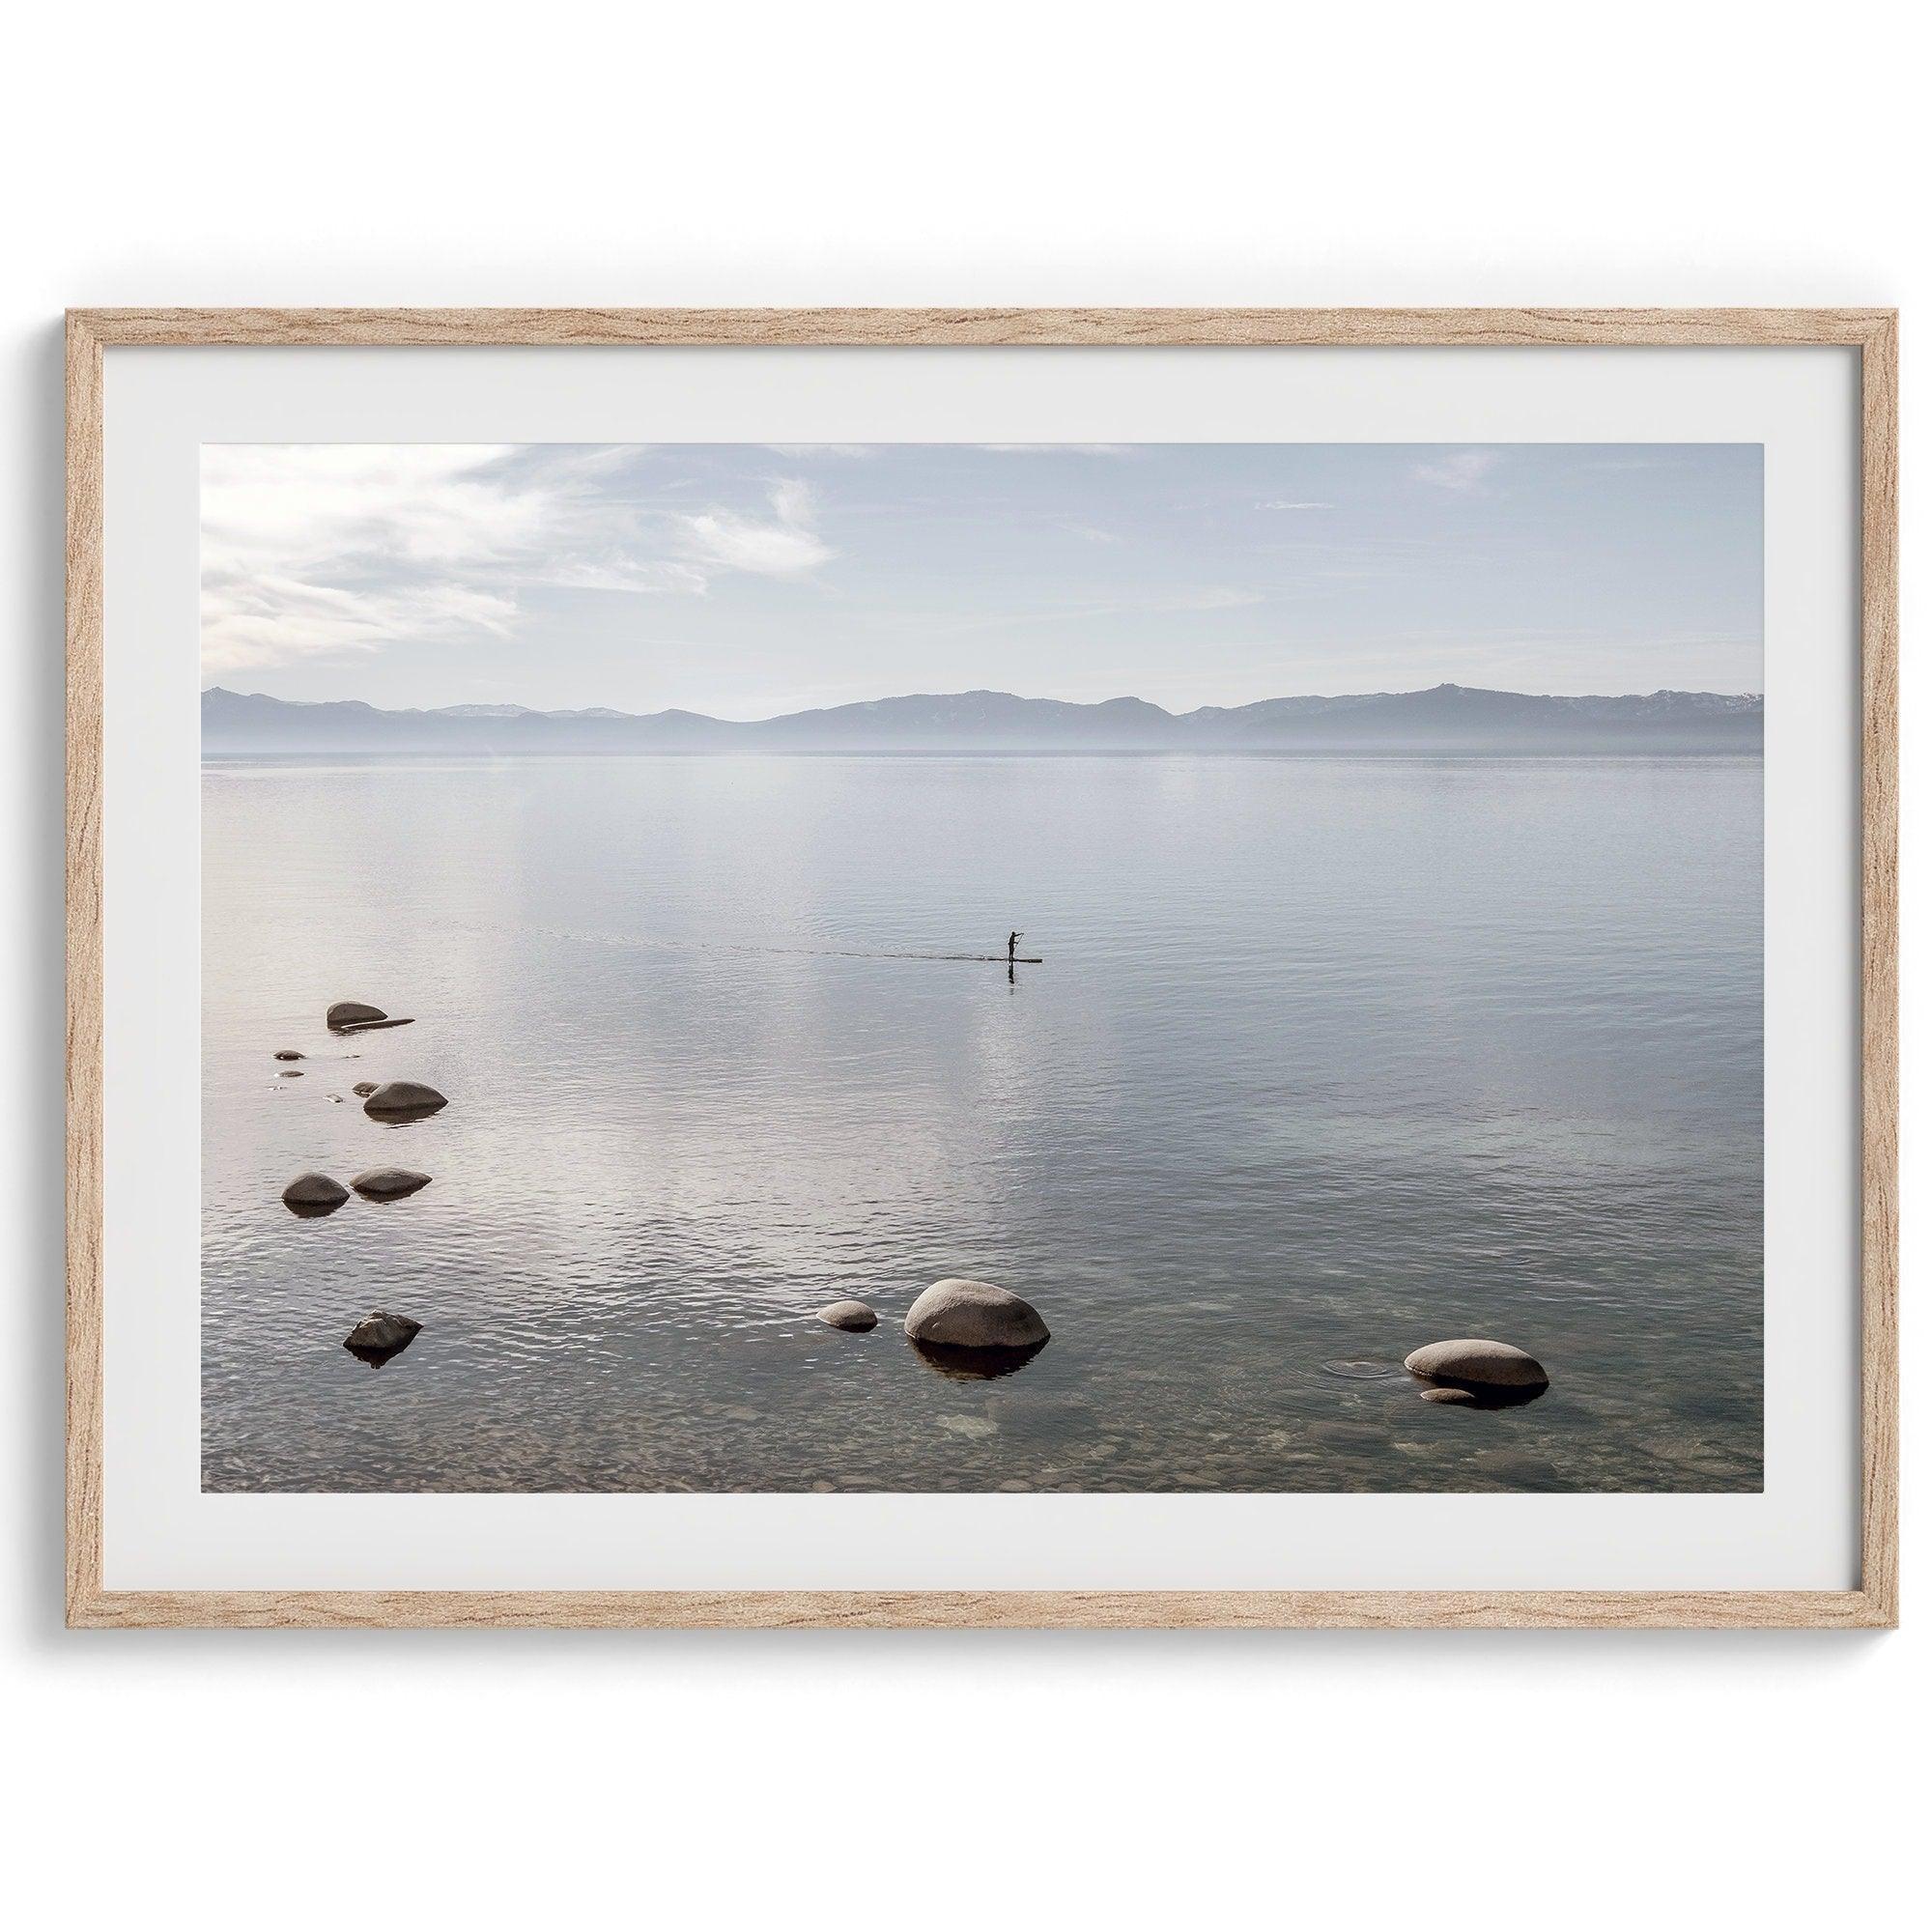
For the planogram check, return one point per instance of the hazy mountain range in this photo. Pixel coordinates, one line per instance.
(1449, 718)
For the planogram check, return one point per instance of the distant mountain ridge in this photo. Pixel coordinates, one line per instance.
(1446, 718)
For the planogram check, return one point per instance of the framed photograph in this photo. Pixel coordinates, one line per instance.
(1118, 968)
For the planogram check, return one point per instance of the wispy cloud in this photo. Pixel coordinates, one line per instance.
(1281, 503)
(1221, 597)
(1461, 471)
(783, 548)
(316, 551)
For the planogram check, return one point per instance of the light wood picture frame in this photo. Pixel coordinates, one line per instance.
(1871, 333)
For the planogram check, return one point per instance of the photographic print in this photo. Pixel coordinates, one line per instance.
(940, 967)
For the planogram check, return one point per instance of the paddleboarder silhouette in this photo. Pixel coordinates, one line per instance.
(1012, 945)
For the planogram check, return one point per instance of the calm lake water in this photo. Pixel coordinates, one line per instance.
(1328, 1058)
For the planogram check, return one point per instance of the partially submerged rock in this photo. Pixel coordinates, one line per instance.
(854, 1316)
(389, 1184)
(404, 1099)
(379, 1336)
(1477, 1364)
(362, 1088)
(353, 1016)
(314, 1194)
(288, 1052)
(1447, 1394)
(959, 1314)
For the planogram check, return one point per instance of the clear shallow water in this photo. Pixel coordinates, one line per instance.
(1328, 1058)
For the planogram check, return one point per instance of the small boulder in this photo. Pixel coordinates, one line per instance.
(389, 1184)
(404, 1099)
(290, 1074)
(314, 1194)
(288, 1052)
(851, 1315)
(1446, 1394)
(362, 1088)
(379, 1336)
(1479, 1364)
(957, 1314)
(351, 1012)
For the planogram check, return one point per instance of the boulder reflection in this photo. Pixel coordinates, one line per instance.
(377, 1357)
(975, 1365)
(1479, 1395)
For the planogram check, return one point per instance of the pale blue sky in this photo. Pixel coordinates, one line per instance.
(747, 579)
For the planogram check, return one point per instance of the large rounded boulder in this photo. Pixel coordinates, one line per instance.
(1471, 1363)
(959, 1314)
(404, 1101)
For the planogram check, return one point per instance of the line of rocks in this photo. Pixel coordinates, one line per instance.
(976, 1329)
(380, 1335)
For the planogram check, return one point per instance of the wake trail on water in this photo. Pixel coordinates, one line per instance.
(783, 952)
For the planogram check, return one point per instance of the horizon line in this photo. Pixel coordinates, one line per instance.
(977, 691)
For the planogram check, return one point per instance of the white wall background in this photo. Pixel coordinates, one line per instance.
(842, 153)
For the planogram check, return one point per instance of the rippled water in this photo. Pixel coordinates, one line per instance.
(1328, 1057)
